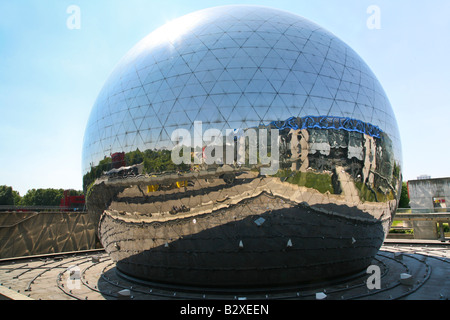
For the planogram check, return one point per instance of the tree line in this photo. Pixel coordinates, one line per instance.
(154, 161)
(34, 197)
(52, 197)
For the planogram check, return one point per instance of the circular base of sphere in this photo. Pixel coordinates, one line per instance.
(245, 245)
(242, 290)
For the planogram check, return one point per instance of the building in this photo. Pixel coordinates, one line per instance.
(428, 195)
(315, 110)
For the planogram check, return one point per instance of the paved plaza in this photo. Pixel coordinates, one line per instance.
(409, 270)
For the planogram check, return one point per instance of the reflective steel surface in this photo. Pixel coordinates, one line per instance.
(242, 146)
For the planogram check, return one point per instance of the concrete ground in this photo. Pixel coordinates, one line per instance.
(424, 265)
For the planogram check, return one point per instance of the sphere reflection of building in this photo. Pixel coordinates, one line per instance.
(323, 214)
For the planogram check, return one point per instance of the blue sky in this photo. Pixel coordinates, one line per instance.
(51, 75)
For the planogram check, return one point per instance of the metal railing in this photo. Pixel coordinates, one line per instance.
(438, 216)
(31, 209)
(421, 210)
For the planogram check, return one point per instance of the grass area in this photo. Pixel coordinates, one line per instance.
(397, 228)
(366, 194)
(402, 231)
(396, 224)
(319, 181)
(446, 228)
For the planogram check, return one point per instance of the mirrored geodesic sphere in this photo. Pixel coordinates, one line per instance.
(242, 146)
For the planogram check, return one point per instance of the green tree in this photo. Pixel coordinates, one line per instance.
(404, 198)
(7, 196)
(96, 172)
(43, 197)
(17, 198)
(134, 157)
(75, 192)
